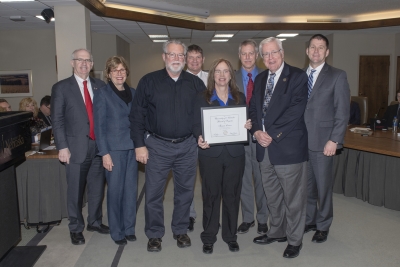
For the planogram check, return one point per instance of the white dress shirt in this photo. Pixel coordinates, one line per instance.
(316, 73)
(89, 85)
(202, 75)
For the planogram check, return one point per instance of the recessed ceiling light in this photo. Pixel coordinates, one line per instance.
(219, 40)
(223, 35)
(282, 39)
(287, 35)
(159, 41)
(158, 36)
(40, 17)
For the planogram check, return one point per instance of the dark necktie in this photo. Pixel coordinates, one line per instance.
(310, 82)
(268, 93)
(89, 109)
(249, 89)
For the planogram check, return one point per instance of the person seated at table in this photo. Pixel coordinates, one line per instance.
(4, 105)
(392, 111)
(111, 106)
(221, 166)
(44, 109)
(355, 114)
(29, 104)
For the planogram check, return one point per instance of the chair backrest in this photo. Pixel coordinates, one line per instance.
(363, 103)
(394, 102)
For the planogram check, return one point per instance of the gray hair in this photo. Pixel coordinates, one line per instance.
(174, 41)
(248, 42)
(81, 49)
(269, 40)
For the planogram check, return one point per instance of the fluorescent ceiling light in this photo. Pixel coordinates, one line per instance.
(17, 0)
(158, 36)
(219, 40)
(282, 39)
(159, 41)
(223, 35)
(40, 17)
(287, 35)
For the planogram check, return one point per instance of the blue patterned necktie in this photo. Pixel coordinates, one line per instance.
(310, 82)
(268, 93)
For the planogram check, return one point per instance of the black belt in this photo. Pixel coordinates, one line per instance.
(175, 141)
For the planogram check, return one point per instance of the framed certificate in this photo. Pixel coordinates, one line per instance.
(224, 125)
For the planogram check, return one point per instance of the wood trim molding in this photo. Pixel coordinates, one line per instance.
(102, 11)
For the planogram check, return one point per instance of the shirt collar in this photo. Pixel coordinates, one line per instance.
(318, 69)
(279, 71)
(254, 72)
(215, 97)
(80, 80)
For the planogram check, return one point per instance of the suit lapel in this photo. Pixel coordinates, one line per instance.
(280, 87)
(319, 80)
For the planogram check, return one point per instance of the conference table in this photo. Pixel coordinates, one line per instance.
(368, 168)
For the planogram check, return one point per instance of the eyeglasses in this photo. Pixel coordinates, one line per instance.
(48, 106)
(81, 60)
(219, 72)
(121, 71)
(273, 54)
(173, 55)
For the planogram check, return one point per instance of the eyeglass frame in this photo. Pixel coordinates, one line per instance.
(121, 71)
(81, 60)
(173, 55)
(273, 54)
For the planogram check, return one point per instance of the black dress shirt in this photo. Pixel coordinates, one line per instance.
(163, 106)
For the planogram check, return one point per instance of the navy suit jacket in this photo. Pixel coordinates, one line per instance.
(69, 117)
(111, 121)
(284, 120)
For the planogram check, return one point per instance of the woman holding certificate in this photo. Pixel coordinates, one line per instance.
(112, 105)
(221, 166)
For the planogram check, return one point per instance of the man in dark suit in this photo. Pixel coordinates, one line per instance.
(276, 111)
(392, 111)
(326, 116)
(252, 183)
(73, 128)
(45, 110)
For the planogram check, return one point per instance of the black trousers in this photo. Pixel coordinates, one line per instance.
(221, 177)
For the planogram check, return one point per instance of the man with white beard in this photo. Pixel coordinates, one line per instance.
(162, 113)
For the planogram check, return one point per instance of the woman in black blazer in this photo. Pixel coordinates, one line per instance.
(221, 166)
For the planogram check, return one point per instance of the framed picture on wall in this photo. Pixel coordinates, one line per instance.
(99, 75)
(16, 83)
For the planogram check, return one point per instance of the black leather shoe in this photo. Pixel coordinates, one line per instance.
(102, 229)
(121, 242)
(154, 245)
(262, 228)
(264, 240)
(183, 241)
(311, 227)
(244, 227)
(320, 236)
(208, 248)
(233, 246)
(292, 251)
(191, 224)
(130, 238)
(77, 238)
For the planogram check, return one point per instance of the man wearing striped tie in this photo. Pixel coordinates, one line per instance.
(326, 117)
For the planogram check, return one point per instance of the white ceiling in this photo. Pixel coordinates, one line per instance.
(266, 10)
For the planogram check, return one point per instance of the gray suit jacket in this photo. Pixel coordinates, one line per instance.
(239, 79)
(69, 117)
(328, 108)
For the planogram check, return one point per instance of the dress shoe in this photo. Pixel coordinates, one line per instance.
(102, 229)
(154, 245)
(182, 241)
(77, 238)
(311, 227)
(262, 228)
(130, 238)
(292, 251)
(233, 246)
(191, 224)
(320, 236)
(121, 242)
(264, 239)
(208, 248)
(244, 227)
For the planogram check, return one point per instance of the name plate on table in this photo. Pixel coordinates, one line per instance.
(224, 125)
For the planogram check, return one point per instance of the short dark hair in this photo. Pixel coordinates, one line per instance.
(45, 100)
(2, 100)
(195, 48)
(319, 36)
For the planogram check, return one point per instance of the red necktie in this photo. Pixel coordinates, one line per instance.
(249, 89)
(89, 109)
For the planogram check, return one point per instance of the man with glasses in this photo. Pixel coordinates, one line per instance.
(44, 110)
(252, 183)
(162, 113)
(326, 116)
(73, 128)
(276, 111)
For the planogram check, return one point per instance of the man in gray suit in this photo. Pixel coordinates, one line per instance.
(73, 127)
(326, 118)
(252, 183)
